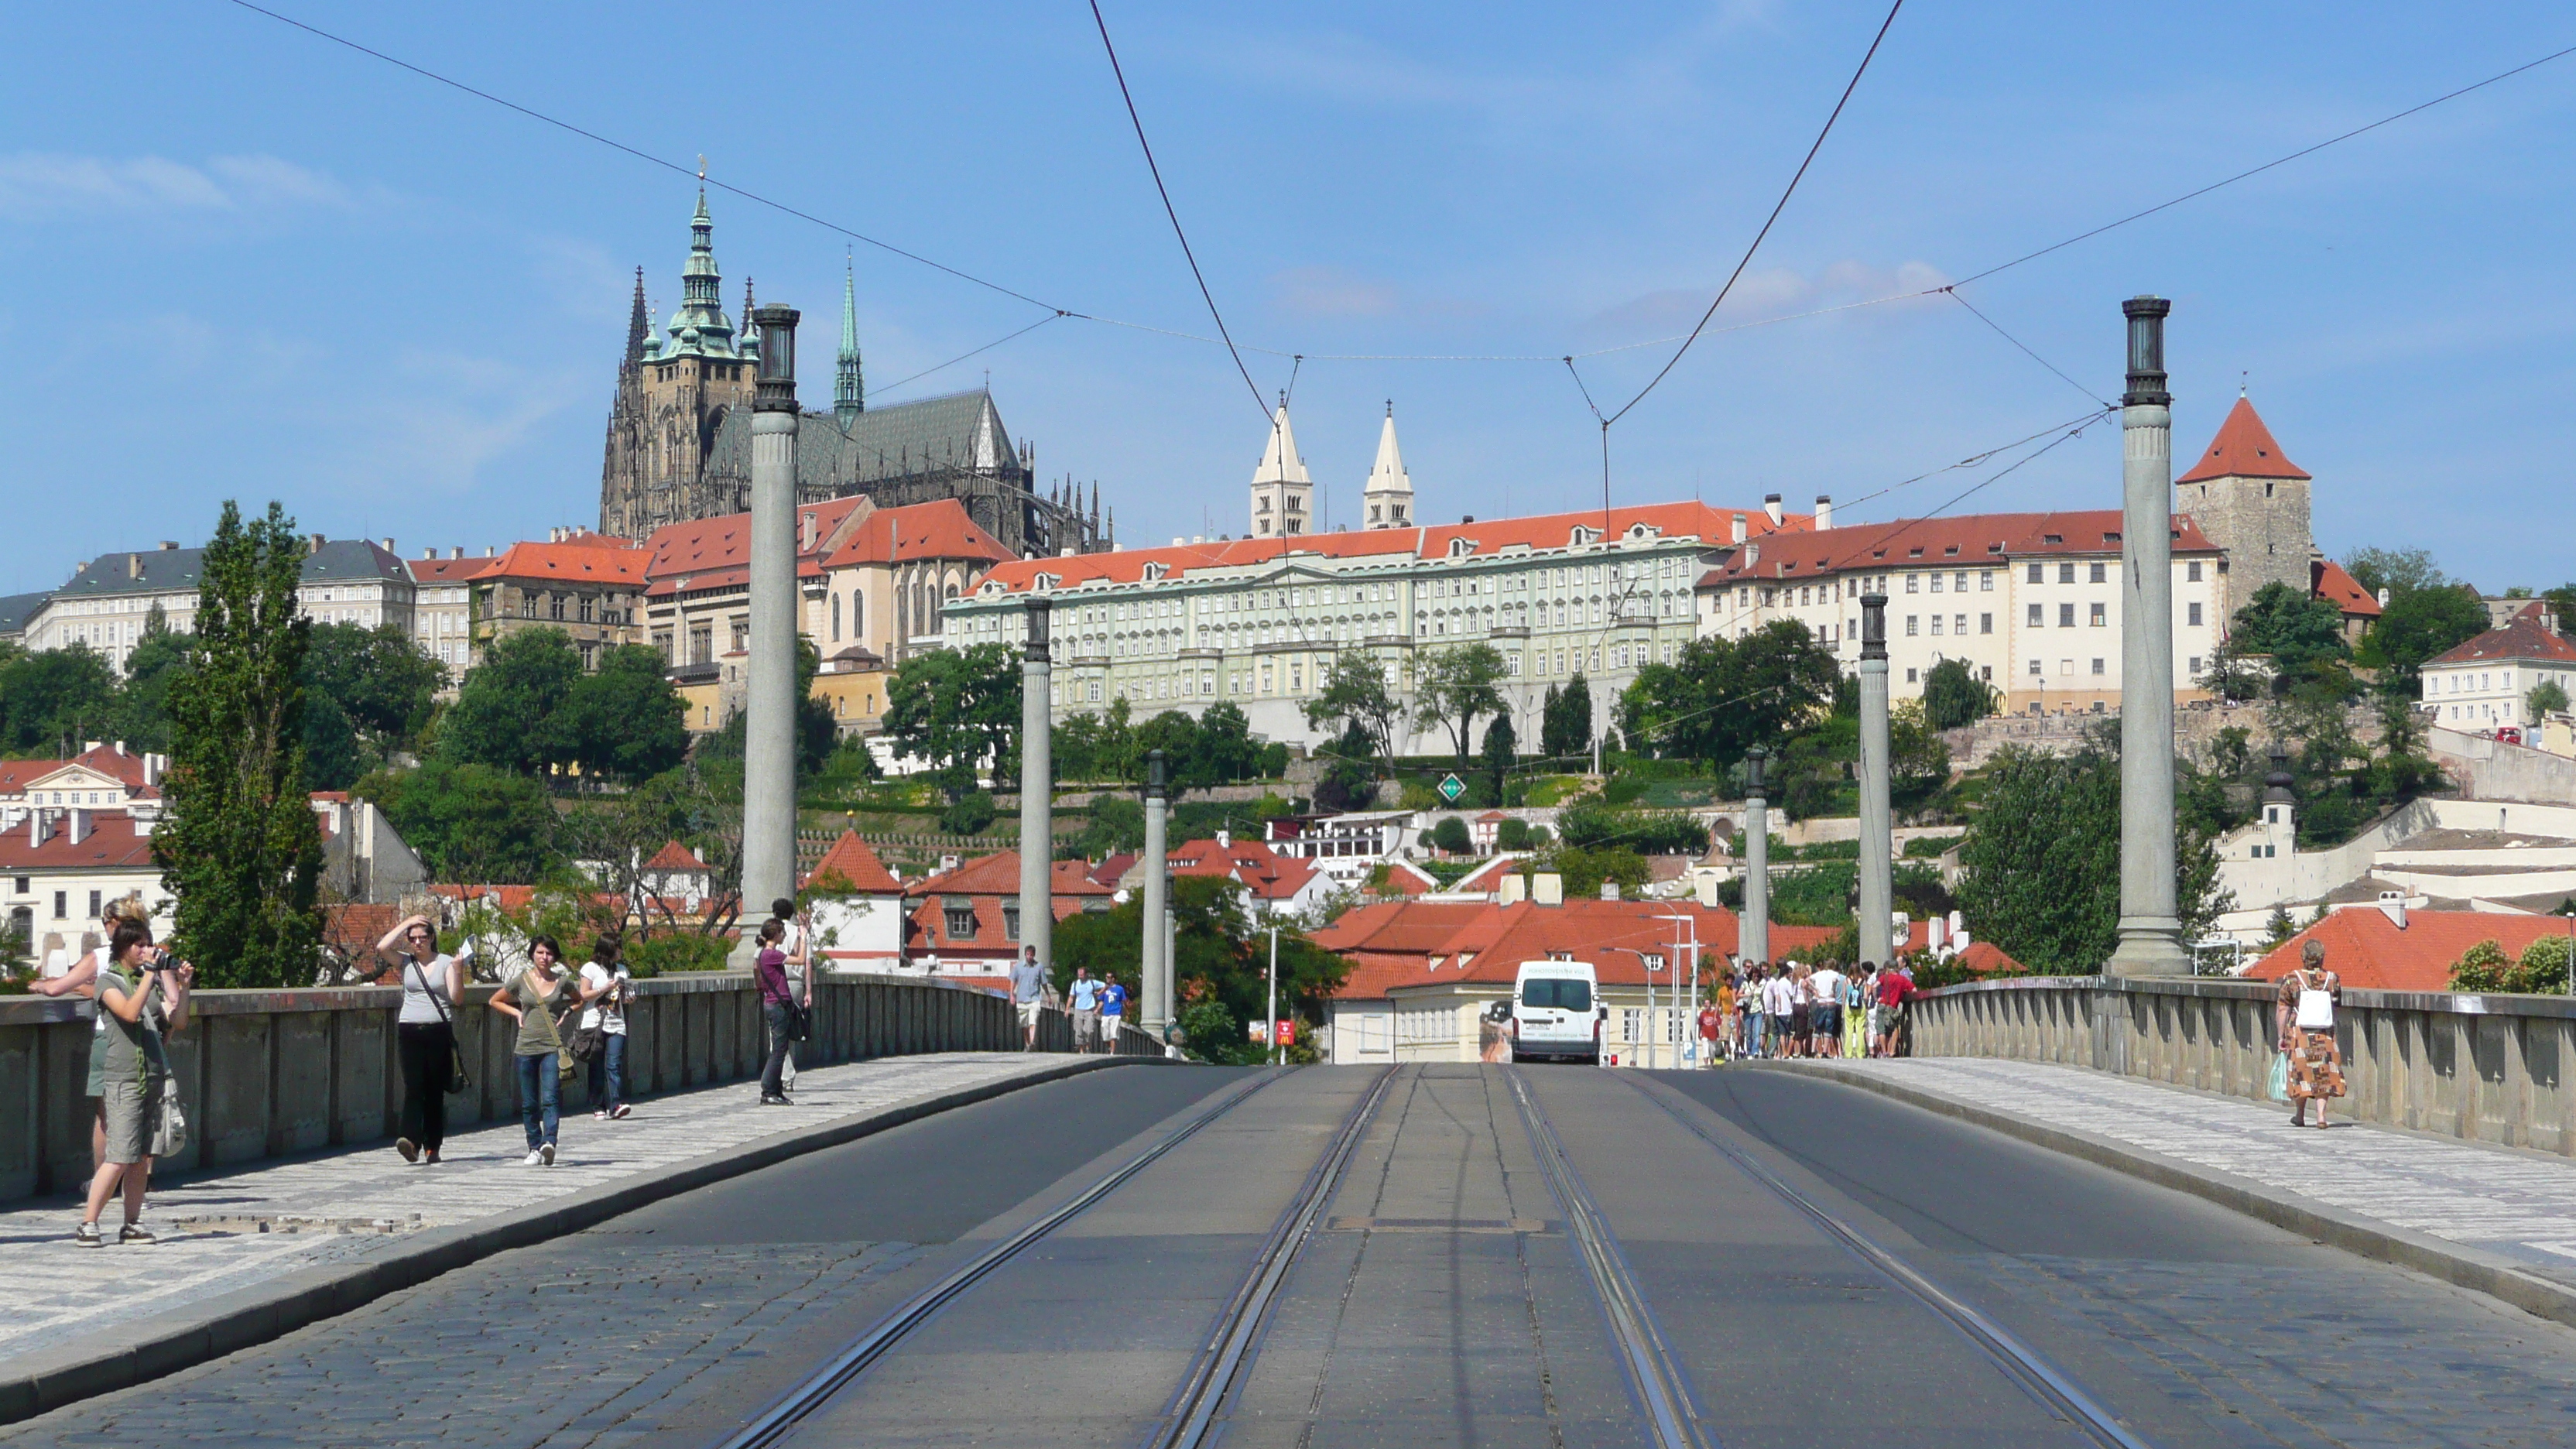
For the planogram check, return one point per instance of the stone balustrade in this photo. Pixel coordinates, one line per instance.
(2483, 1068)
(271, 1073)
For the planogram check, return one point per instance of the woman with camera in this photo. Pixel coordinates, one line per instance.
(606, 986)
(142, 994)
(424, 1034)
(80, 978)
(528, 997)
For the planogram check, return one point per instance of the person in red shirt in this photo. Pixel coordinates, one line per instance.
(1895, 988)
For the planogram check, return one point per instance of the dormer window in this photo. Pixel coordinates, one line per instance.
(1045, 582)
(1461, 547)
(1154, 571)
(1582, 536)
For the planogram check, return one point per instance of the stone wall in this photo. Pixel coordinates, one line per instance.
(2484, 1068)
(270, 1073)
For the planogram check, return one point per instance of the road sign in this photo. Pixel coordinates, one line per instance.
(1287, 1031)
(1451, 787)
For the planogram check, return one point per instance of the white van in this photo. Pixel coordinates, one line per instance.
(1556, 1012)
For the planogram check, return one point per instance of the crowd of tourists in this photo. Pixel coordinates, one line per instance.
(1809, 1009)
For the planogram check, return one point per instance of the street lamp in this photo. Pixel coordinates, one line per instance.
(1693, 948)
(1648, 962)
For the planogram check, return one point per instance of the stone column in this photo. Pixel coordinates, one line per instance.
(1753, 939)
(769, 696)
(1037, 788)
(1877, 835)
(2150, 931)
(1155, 966)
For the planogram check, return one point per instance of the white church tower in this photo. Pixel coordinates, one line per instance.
(1283, 495)
(1389, 496)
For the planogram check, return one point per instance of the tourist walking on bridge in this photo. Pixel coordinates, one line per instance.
(424, 1034)
(528, 998)
(606, 986)
(1113, 1011)
(777, 1008)
(1084, 996)
(1028, 993)
(2303, 1013)
(80, 978)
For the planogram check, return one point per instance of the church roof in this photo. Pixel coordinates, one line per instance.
(938, 529)
(961, 431)
(1388, 474)
(1280, 462)
(2242, 449)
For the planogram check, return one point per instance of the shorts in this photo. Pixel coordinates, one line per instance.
(1882, 1019)
(1029, 1011)
(1779, 1026)
(1109, 1028)
(1825, 1021)
(1799, 1016)
(1086, 1026)
(131, 1108)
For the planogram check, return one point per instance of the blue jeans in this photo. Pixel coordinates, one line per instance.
(539, 1086)
(608, 1072)
(1753, 1023)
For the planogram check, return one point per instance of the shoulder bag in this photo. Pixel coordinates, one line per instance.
(457, 1080)
(2316, 1005)
(170, 1127)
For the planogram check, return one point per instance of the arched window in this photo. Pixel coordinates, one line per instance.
(836, 618)
(858, 615)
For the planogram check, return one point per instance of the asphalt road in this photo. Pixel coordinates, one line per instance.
(1442, 1301)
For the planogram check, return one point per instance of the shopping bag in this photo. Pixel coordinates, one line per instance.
(2278, 1088)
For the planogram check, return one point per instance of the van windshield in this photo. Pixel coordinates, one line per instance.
(1566, 993)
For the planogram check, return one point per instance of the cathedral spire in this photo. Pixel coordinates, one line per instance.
(639, 323)
(849, 388)
(1389, 493)
(700, 327)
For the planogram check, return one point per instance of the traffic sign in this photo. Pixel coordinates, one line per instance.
(1451, 787)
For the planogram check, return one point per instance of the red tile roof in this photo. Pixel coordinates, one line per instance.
(1555, 530)
(2242, 449)
(445, 570)
(988, 881)
(2367, 949)
(715, 552)
(915, 531)
(852, 860)
(590, 557)
(1422, 943)
(2327, 580)
(111, 842)
(1269, 875)
(1964, 541)
(675, 856)
(2524, 638)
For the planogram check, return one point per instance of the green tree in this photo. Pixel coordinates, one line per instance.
(1355, 699)
(1450, 834)
(378, 677)
(1918, 759)
(1565, 721)
(1177, 736)
(2547, 697)
(2401, 571)
(476, 823)
(333, 756)
(624, 721)
(240, 849)
(509, 711)
(1219, 963)
(1458, 684)
(1584, 870)
(817, 734)
(1227, 750)
(2298, 630)
(156, 663)
(56, 698)
(1953, 696)
(1501, 747)
(955, 708)
(1097, 746)
(2417, 626)
(1723, 696)
(2562, 602)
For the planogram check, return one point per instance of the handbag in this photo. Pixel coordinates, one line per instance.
(2316, 1009)
(2277, 1085)
(586, 1044)
(457, 1080)
(170, 1130)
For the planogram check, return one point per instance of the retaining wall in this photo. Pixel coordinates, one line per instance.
(269, 1073)
(2484, 1068)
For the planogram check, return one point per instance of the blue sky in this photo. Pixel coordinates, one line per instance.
(243, 262)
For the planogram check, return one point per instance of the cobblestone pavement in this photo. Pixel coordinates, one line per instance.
(587, 1342)
(345, 1205)
(2517, 1204)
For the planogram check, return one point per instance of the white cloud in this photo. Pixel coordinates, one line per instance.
(51, 184)
(1770, 293)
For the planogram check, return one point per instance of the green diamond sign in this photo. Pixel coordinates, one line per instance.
(1451, 787)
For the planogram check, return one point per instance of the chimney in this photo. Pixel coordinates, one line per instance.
(1771, 507)
(120, 746)
(2392, 904)
(154, 767)
(1706, 881)
(1224, 839)
(35, 828)
(1609, 890)
(169, 545)
(1935, 930)
(81, 825)
(315, 543)
(1515, 889)
(389, 545)
(1065, 552)
(88, 745)
(1739, 528)
(134, 565)
(1824, 511)
(1547, 888)
(456, 550)
(429, 553)
(2383, 598)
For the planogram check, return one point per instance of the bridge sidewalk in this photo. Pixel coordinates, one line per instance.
(251, 1252)
(2498, 1220)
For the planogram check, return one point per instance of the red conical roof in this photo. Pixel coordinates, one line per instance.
(2243, 449)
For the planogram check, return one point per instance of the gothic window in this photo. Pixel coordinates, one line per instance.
(836, 618)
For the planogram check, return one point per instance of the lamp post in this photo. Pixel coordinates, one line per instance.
(769, 703)
(1877, 835)
(1037, 787)
(1157, 964)
(1754, 939)
(2150, 927)
(1688, 1034)
(1271, 1046)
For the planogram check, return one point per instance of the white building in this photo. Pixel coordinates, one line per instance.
(2486, 682)
(442, 613)
(61, 867)
(110, 598)
(1283, 493)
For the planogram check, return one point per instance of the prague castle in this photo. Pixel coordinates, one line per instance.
(679, 432)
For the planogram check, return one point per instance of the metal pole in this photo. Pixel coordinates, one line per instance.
(1037, 787)
(769, 704)
(1754, 936)
(1877, 834)
(1158, 999)
(2150, 927)
(1272, 1050)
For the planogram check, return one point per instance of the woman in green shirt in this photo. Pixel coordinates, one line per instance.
(141, 994)
(528, 998)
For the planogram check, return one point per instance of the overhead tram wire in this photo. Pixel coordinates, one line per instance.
(885, 387)
(1953, 294)
(1170, 211)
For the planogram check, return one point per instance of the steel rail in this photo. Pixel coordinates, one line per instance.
(1191, 1418)
(773, 1423)
(1655, 1374)
(2054, 1390)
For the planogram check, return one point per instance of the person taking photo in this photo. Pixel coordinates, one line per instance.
(142, 996)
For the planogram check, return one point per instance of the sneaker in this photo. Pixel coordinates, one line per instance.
(134, 1233)
(774, 1100)
(86, 1235)
(535, 1158)
(429, 1158)
(408, 1148)
(623, 1111)
(548, 1153)
(601, 1115)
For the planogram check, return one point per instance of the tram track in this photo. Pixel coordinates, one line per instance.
(1189, 1418)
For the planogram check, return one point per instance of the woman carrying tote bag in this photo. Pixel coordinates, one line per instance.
(2304, 1017)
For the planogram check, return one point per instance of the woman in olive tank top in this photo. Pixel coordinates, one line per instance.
(528, 998)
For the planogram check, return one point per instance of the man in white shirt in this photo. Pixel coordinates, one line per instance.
(1779, 999)
(1825, 1010)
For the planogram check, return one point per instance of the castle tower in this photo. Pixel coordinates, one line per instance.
(674, 391)
(849, 389)
(1388, 497)
(2252, 501)
(1283, 493)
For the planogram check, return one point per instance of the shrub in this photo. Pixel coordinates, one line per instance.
(1451, 835)
(1512, 835)
(973, 813)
